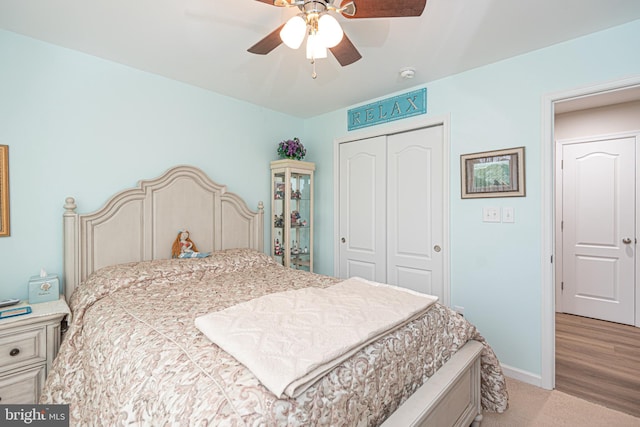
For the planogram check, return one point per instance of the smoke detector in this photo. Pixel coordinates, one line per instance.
(407, 73)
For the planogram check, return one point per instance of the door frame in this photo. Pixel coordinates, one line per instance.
(414, 123)
(548, 324)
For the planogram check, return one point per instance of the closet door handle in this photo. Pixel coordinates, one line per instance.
(343, 240)
(437, 248)
(626, 241)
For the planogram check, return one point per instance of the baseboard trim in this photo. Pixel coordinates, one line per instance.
(521, 375)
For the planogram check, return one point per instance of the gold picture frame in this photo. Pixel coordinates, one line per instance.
(4, 191)
(498, 173)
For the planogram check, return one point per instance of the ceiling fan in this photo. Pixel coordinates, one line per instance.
(323, 31)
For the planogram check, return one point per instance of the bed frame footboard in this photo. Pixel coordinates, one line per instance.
(451, 397)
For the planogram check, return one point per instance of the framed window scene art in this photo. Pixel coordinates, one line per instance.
(498, 173)
(4, 190)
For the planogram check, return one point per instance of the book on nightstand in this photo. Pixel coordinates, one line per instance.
(14, 311)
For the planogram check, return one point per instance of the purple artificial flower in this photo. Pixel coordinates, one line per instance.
(292, 149)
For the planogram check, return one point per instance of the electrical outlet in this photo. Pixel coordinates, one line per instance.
(491, 214)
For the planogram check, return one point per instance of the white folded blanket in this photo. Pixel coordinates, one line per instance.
(290, 339)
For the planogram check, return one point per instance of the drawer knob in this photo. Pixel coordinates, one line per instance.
(14, 352)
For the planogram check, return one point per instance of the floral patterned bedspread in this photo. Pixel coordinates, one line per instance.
(133, 355)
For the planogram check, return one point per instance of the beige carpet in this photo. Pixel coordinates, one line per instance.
(533, 406)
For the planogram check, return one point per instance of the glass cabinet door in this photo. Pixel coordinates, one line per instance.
(300, 221)
(278, 209)
(292, 213)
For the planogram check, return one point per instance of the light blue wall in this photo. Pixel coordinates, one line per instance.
(80, 126)
(495, 268)
(77, 125)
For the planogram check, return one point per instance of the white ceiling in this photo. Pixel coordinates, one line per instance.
(204, 42)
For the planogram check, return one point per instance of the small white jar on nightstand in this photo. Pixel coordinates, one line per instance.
(28, 345)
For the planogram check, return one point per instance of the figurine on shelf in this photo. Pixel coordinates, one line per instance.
(294, 248)
(306, 250)
(279, 191)
(278, 221)
(296, 194)
(277, 247)
(295, 216)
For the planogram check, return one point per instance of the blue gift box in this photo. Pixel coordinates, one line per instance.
(44, 289)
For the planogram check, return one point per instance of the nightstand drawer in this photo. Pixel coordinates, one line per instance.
(23, 347)
(22, 387)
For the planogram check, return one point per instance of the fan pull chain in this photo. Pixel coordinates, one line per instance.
(313, 63)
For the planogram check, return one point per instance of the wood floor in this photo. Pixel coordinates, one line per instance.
(599, 361)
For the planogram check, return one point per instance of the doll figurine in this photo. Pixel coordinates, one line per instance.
(183, 246)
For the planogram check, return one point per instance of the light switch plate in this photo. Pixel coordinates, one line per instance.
(508, 215)
(490, 214)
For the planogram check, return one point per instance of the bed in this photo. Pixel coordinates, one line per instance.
(133, 356)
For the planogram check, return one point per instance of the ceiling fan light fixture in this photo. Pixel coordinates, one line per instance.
(329, 31)
(315, 47)
(293, 32)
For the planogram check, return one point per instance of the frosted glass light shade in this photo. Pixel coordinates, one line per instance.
(329, 30)
(292, 34)
(315, 47)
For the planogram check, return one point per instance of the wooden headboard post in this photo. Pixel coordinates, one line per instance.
(141, 223)
(71, 266)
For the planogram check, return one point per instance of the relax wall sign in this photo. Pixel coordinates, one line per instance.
(387, 110)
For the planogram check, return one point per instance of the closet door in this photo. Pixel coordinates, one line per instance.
(362, 214)
(391, 213)
(415, 210)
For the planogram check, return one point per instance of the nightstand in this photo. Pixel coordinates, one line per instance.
(28, 345)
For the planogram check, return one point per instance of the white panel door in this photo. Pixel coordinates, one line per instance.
(598, 214)
(415, 210)
(362, 215)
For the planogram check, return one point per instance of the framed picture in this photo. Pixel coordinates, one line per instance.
(497, 173)
(4, 190)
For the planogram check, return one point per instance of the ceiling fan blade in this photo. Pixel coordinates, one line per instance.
(345, 52)
(268, 43)
(385, 9)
